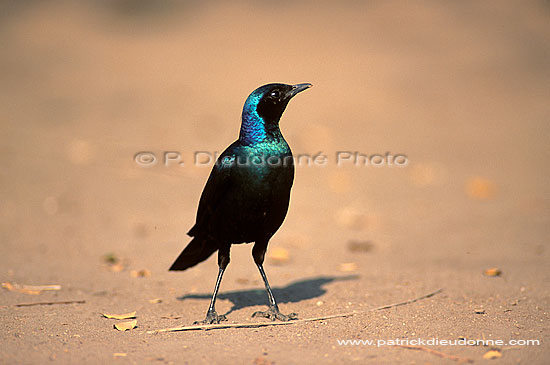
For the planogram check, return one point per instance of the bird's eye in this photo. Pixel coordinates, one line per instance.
(275, 94)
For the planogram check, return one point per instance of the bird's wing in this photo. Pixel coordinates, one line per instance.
(217, 185)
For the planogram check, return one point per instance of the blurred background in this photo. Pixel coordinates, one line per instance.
(460, 88)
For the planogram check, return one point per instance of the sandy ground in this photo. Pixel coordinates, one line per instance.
(461, 89)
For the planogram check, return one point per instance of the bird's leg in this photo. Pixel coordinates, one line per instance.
(273, 313)
(212, 316)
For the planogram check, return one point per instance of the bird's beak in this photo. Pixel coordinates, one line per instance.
(296, 89)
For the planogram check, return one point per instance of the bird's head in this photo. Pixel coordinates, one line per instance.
(268, 102)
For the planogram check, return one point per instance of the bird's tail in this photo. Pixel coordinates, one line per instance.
(198, 250)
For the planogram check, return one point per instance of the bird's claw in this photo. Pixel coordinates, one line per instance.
(212, 318)
(275, 314)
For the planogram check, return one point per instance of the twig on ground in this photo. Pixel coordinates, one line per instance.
(408, 301)
(206, 327)
(250, 325)
(437, 353)
(50, 303)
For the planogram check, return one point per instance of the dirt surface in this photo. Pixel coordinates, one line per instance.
(460, 88)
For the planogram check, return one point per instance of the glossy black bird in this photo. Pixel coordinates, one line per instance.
(247, 194)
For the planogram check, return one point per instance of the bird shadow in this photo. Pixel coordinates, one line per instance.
(292, 293)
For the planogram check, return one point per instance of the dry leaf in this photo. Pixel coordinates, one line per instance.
(126, 326)
(479, 188)
(120, 316)
(116, 267)
(493, 272)
(155, 301)
(111, 258)
(30, 289)
(492, 354)
(348, 266)
(360, 246)
(140, 274)
(11, 287)
(114, 262)
(279, 256)
(41, 287)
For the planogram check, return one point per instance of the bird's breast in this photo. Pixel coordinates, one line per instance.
(265, 163)
(259, 191)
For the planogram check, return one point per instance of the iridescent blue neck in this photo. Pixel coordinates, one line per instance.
(253, 126)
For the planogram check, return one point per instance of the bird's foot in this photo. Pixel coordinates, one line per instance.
(275, 314)
(212, 318)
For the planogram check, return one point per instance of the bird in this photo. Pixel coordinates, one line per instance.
(247, 194)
